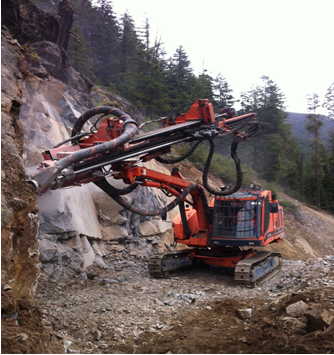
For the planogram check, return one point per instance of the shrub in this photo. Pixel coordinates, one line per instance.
(288, 206)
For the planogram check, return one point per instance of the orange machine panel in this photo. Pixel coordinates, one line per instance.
(192, 222)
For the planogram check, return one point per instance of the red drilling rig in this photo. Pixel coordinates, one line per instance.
(220, 232)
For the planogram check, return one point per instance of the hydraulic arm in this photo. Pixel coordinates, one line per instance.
(83, 157)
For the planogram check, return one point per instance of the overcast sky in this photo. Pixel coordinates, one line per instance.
(290, 41)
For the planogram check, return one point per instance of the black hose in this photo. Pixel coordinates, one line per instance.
(107, 110)
(113, 193)
(252, 129)
(182, 157)
(126, 190)
(130, 130)
(76, 137)
(185, 225)
(234, 156)
(186, 229)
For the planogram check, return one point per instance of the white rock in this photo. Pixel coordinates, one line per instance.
(297, 309)
(245, 313)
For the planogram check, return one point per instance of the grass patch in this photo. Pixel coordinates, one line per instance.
(288, 206)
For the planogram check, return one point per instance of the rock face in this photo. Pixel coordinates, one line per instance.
(29, 24)
(78, 226)
(71, 220)
(19, 218)
(19, 223)
(64, 232)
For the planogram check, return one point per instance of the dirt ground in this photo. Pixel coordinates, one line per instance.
(123, 310)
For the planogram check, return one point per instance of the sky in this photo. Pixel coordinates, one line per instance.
(291, 41)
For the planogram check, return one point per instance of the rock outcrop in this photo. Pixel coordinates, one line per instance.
(77, 226)
(66, 231)
(19, 214)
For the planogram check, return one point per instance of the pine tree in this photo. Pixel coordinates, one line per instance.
(179, 78)
(202, 87)
(329, 102)
(145, 79)
(79, 54)
(313, 125)
(222, 92)
(130, 43)
(105, 42)
(275, 155)
(329, 178)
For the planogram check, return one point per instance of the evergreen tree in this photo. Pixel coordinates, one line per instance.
(313, 125)
(329, 178)
(130, 43)
(329, 102)
(179, 77)
(270, 95)
(222, 92)
(130, 46)
(79, 54)
(202, 88)
(250, 100)
(105, 42)
(146, 73)
(275, 155)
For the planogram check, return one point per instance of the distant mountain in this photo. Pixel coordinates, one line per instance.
(297, 120)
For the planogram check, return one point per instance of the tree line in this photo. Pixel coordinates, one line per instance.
(120, 57)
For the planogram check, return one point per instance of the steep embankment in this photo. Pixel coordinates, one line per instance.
(308, 232)
(21, 327)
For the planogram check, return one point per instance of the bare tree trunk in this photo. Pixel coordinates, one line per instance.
(301, 176)
(317, 175)
(65, 20)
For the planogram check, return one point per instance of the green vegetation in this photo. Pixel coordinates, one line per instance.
(30, 53)
(288, 206)
(119, 56)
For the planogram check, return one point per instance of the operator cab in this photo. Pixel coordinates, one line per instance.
(248, 217)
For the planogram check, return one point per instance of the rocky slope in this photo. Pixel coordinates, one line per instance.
(121, 309)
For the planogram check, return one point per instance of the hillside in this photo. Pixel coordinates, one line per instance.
(297, 120)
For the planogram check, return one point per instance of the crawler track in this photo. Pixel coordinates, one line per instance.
(257, 269)
(249, 272)
(162, 264)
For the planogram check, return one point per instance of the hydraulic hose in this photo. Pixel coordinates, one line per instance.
(41, 180)
(130, 130)
(185, 225)
(104, 185)
(126, 190)
(234, 156)
(182, 157)
(252, 129)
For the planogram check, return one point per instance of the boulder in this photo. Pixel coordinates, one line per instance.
(318, 319)
(153, 227)
(48, 251)
(297, 309)
(88, 252)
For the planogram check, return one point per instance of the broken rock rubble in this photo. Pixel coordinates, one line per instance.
(121, 303)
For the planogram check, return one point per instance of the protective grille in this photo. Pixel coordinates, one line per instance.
(237, 217)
